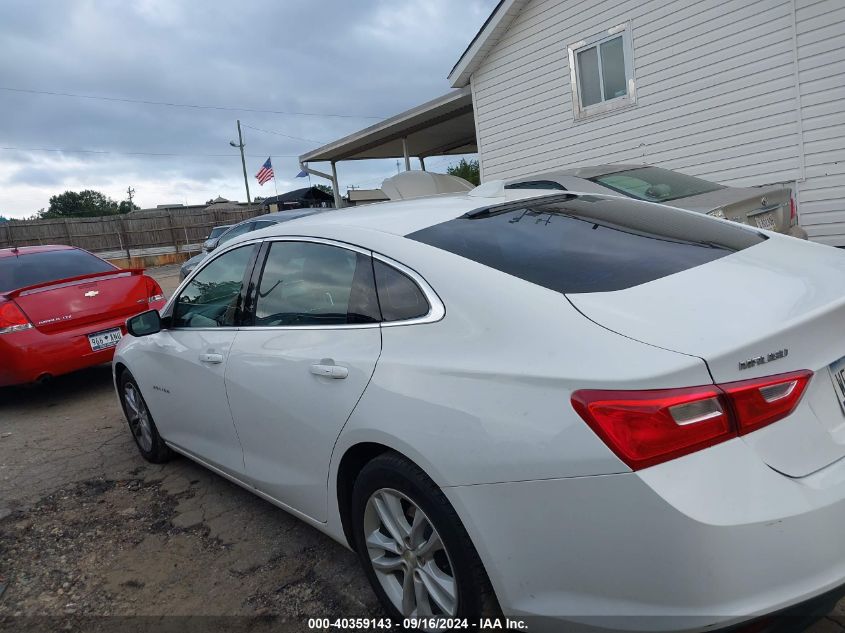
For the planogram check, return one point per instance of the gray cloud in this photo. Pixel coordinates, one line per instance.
(367, 57)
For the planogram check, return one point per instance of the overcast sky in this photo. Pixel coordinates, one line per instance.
(367, 58)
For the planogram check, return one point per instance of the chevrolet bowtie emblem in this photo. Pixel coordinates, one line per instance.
(92, 293)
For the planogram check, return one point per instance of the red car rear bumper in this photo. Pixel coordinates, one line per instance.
(27, 355)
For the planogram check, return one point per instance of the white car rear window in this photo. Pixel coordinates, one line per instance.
(588, 243)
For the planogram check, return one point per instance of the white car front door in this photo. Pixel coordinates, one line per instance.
(188, 394)
(295, 374)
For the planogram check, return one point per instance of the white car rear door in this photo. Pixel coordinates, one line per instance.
(295, 373)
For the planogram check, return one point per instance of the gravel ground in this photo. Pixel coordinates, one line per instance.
(93, 538)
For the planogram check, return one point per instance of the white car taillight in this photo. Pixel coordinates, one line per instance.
(645, 428)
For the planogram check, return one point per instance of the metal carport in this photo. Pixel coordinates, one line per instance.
(440, 127)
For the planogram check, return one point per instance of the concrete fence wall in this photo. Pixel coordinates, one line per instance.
(135, 239)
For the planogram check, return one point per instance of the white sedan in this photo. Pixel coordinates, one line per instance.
(568, 406)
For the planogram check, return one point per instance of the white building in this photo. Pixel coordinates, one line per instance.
(737, 91)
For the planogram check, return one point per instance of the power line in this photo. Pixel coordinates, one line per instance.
(186, 105)
(99, 151)
(298, 138)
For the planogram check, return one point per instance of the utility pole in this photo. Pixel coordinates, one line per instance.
(240, 145)
(129, 192)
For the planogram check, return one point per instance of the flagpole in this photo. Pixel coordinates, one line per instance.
(274, 182)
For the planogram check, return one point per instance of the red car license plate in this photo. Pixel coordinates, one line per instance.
(104, 339)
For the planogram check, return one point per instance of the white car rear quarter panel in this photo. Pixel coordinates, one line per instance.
(713, 536)
(484, 394)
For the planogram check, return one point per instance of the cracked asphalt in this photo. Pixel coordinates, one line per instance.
(93, 538)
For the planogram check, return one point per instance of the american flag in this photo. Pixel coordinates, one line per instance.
(265, 173)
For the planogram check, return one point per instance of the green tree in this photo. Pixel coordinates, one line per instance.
(468, 170)
(3, 219)
(123, 206)
(84, 204)
(325, 189)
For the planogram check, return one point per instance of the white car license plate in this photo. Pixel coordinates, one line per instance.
(765, 221)
(104, 339)
(837, 372)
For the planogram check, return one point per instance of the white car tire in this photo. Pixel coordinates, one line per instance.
(415, 551)
(141, 423)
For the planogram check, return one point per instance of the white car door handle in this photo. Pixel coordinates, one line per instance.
(211, 358)
(330, 371)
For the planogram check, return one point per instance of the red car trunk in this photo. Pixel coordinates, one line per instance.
(64, 309)
(89, 299)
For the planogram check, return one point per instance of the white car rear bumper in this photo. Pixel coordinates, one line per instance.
(707, 540)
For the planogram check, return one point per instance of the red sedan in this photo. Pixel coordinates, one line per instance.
(63, 309)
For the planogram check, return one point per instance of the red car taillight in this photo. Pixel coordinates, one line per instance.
(12, 319)
(645, 428)
(154, 291)
(793, 211)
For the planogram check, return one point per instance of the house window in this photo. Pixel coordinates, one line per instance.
(602, 72)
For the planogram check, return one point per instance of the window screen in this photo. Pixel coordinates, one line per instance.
(588, 76)
(601, 70)
(304, 283)
(399, 296)
(613, 68)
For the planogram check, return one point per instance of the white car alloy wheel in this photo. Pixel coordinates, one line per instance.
(138, 417)
(408, 556)
(141, 423)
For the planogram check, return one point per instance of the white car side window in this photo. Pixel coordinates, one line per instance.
(304, 283)
(212, 299)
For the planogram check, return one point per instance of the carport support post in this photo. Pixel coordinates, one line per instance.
(422, 163)
(405, 152)
(338, 201)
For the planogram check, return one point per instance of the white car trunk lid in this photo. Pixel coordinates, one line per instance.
(776, 307)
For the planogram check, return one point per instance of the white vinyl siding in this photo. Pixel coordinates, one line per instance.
(717, 95)
(820, 37)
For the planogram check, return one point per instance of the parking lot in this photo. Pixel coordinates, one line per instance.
(88, 528)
